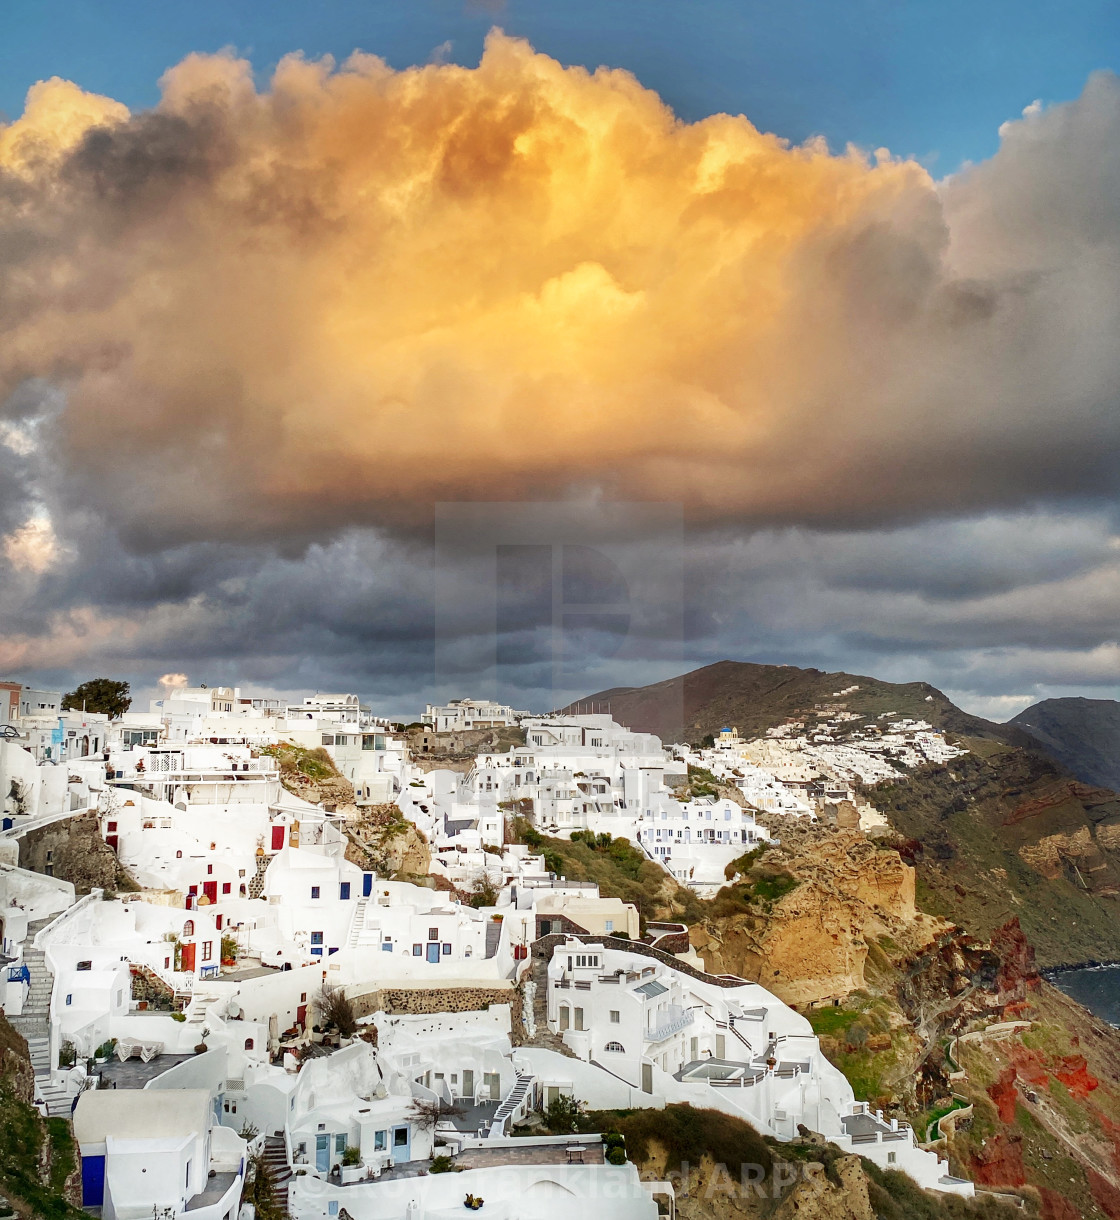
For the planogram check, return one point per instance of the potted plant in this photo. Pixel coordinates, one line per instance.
(472, 1202)
(352, 1169)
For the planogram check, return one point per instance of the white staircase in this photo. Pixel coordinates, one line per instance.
(510, 1105)
(357, 923)
(34, 1021)
(57, 1100)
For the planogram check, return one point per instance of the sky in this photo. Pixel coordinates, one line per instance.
(780, 333)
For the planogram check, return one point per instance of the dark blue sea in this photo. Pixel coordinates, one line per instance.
(1097, 988)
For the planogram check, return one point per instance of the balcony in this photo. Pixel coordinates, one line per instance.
(672, 1026)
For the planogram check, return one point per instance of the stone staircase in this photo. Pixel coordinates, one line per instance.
(357, 923)
(509, 1106)
(256, 884)
(544, 1036)
(493, 937)
(276, 1158)
(34, 1021)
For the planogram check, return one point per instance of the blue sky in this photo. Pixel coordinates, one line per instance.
(932, 80)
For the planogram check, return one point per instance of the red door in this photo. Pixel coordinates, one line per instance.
(210, 889)
(277, 838)
(186, 959)
(111, 840)
(301, 1015)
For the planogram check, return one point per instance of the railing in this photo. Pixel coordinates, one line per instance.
(63, 916)
(19, 974)
(667, 1028)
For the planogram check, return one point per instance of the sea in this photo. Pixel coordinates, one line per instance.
(1096, 988)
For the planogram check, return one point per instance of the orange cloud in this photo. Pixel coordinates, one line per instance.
(364, 290)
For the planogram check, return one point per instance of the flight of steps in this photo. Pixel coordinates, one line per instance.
(34, 1021)
(256, 885)
(58, 1101)
(493, 937)
(509, 1106)
(197, 1010)
(543, 1035)
(276, 1159)
(358, 923)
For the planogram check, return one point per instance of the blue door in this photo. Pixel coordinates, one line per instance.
(402, 1150)
(344, 891)
(322, 1153)
(433, 951)
(93, 1181)
(367, 884)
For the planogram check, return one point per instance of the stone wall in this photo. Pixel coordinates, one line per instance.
(419, 1001)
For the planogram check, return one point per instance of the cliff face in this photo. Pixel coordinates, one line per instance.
(842, 894)
(380, 839)
(75, 851)
(1001, 833)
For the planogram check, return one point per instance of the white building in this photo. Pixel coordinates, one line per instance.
(144, 1150)
(735, 1048)
(466, 714)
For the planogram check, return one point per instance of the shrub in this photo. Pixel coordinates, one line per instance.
(200, 1048)
(562, 1114)
(179, 1016)
(613, 1139)
(67, 1055)
(352, 1155)
(616, 1156)
(443, 1164)
(337, 1009)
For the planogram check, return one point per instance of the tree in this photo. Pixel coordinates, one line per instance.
(100, 695)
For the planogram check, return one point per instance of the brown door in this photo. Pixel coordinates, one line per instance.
(301, 1015)
(186, 958)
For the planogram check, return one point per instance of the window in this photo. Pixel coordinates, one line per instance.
(615, 1048)
(379, 1138)
(608, 925)
(111, 826)
(207, 949)
(188, 1181)
(891, 1157)
(614, 1016)
(400, 1137)
(188, 928)
(446, 949)
(340, 1142)
(209, 870)
(69, 999)
(178, 855)
(316, 938)
(417, 950)
(314, 891)
(85, 965)
(433, 933)
(226, 887)
(344, 891)
(303, 997)
(248, 1044)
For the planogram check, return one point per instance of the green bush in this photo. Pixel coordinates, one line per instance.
(352, 1155)
(179, 1016)
(616, 1156)
(443, 1164)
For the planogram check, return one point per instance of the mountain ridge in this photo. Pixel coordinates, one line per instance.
(1083, 735)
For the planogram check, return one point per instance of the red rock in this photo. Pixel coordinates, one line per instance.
(1075, 1075)
(1056, 1206)
(1004, 1094)
(1106, 1195)
(999, 1162)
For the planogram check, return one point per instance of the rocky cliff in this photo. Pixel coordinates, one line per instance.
(803, 916)
(1082, 735)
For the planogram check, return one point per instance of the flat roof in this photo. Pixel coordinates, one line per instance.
(141, 1114)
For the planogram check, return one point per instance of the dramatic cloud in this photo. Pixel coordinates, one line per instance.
(365, 290)
(249, 338)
